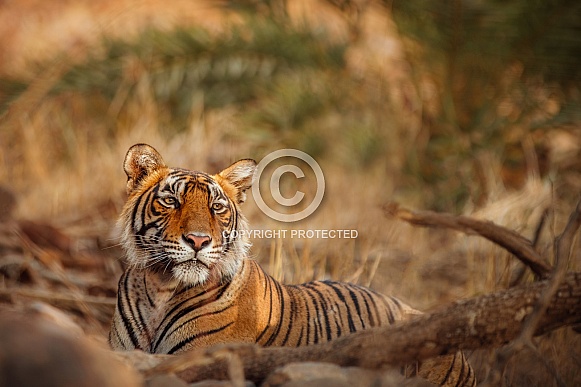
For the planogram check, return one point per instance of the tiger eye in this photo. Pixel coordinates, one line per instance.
(217, 206)
(169, 201)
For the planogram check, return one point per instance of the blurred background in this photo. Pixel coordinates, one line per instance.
(466, 106)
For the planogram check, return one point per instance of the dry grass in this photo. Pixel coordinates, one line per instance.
(65, 172)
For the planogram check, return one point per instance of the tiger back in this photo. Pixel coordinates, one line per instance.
(189, 282)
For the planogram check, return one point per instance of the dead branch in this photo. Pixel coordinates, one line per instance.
(563, 245)
(48, 296)
(562, 248)
(485, 321)
(564, 242)
(519, 274)
(508, 239)
(100, 308)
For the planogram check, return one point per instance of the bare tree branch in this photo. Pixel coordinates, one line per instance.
(508, 239)
(563, 245)
(485, 321)
(562, 250)
(564, 242)
(518, 276)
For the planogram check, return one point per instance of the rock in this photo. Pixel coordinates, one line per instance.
(37, 352)
(168, 380)
(43, 311)
(324, 374)
(220, 383)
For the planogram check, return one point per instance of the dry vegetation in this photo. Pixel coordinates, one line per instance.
(372, 116)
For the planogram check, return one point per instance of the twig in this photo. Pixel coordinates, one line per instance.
(519, 274)
(508, 239)
(564, 242)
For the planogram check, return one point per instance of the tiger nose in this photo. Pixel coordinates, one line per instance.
(198, 242)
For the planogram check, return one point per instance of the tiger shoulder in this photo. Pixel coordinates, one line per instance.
(189, 282)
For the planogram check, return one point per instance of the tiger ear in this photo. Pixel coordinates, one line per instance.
(240, 175)
(140, 161)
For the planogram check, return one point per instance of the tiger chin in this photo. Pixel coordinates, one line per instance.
(189, 282)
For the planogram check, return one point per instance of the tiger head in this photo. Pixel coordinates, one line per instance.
(181, 222)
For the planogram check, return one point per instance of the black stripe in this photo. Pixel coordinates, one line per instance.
(325, 311)
(145, 288)
(293, 312)
(182, 173)
(152, 202)
(375, 314)
(366, 299)
(397, 304)
(300, 340)
(142, 323)
(173, 187)
(337, 320)
(349, 288)
(317, 322)
(184, 288)
(312, 288)
(126, 323)
(396, 301)
(179, 305)
(387, 305)
(115, 332)
(199, 316)
(234, 226)
(268, 283)
(144, 226)
(185, 342)
(135, 311)
(334, 285)
(303, 293)
(134, 214)
(274, 335)
(185, 311)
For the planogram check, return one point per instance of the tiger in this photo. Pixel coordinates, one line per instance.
(190, 283)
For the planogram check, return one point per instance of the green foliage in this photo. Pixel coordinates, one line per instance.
(494, 65)
(9, 89)
(228, 69)
(482, 35)
(493, 68)
(232, 68)
(286, 83)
